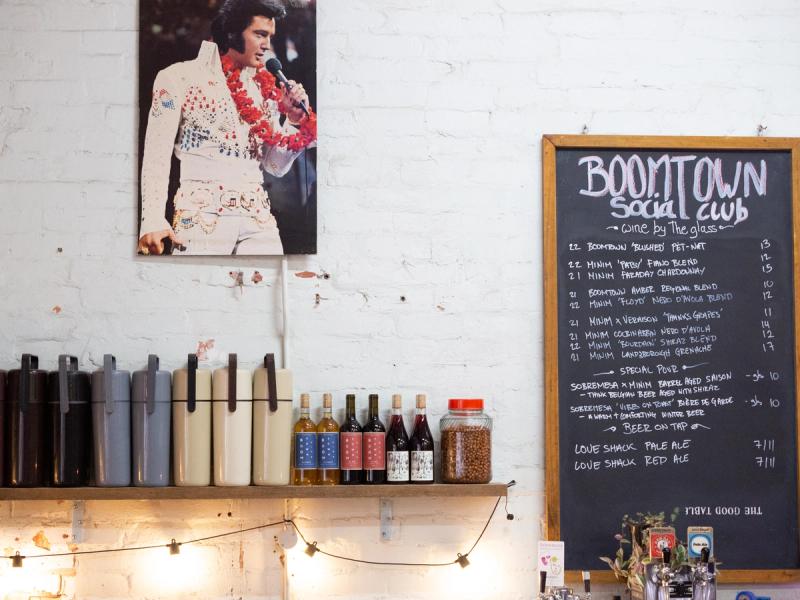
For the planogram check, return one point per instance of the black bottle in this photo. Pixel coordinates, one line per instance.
(374, 445)
(350, 445)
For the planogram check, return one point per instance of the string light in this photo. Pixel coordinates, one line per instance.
(287, 537)
(311, 547)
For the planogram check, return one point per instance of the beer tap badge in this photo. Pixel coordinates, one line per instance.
(551, 560)
(698, 538)
(661, 538)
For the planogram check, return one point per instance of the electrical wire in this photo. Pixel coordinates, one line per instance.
(275, 524)
(229, 533)
(372, 562)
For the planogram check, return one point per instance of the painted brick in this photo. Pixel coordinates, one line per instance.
(431, 115)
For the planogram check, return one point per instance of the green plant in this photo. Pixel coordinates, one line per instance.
(635, 532)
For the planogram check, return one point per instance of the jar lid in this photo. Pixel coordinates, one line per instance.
(465, 404)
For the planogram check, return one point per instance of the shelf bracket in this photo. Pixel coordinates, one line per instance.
(387, 519)
(78, 517)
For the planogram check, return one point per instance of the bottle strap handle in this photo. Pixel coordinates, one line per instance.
(192, 383)
(109, 366)
(66, 364)
(150, 388)
(232, 372)
(272, 384)
(29, 363)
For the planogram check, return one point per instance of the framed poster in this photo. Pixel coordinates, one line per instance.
(671, 302)
(227, 128)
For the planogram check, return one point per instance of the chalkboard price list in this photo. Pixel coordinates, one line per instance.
(676, 348)
(768, 296)
(765, 453)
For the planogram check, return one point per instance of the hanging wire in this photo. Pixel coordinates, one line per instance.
(229, 533)
(509, 516)
(367, 562)
(458, 559)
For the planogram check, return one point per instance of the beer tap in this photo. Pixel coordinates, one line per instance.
(543, 586)
(587, 585)
(703, 577)
(664, 574)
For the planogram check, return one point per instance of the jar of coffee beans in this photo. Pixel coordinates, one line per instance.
(466, 442)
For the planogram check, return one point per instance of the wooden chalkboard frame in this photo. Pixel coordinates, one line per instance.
(552, 143)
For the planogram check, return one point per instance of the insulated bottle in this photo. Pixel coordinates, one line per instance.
(191, 425)
(27, 440)
(272, 424)
(111, 421)
(152, 396)
(3, 434)
(233, 424)
(70, 423)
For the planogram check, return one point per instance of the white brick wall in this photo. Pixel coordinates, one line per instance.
(431, 114)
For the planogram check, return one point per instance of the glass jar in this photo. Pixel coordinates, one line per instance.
(466, 442)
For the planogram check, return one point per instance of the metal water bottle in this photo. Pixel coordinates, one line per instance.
(70, 423)
(27, 441)
(111, 421)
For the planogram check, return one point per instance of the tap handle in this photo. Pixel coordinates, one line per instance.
(587, 583)
(704, 555)
(542, 581)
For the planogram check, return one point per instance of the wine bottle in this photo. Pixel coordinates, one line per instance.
(397, 445)
(350, 441)
(421, 446)
(304, 471)
(374, 445)
(328, 443)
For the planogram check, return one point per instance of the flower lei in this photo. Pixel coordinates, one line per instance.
(260, 127)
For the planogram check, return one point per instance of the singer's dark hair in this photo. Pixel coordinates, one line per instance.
(235, 16)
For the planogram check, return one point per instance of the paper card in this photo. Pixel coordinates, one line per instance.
(698, 538)
(660, 539)
(551, 559)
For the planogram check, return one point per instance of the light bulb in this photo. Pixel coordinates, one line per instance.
(463, 561)
(174, 547)
(311, 549)
(16, 560)
(287, 537)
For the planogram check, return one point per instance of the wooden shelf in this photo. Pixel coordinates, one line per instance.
(256, 492)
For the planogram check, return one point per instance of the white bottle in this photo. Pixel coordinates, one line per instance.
(272, 424)
(191, 426)
(233, 425)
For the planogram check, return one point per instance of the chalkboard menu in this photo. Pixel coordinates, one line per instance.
(670, 344)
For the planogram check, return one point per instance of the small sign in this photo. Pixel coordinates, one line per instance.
(698, 538)
(551, 560)
(661, 538)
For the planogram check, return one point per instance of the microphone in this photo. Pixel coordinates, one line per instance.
(274, 66)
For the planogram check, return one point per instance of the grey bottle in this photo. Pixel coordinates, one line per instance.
(111, 421)
(152, 412)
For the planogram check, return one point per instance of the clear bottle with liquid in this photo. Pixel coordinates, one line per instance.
(397, 458)
(305, 458)
(328, 444)
(421, 446)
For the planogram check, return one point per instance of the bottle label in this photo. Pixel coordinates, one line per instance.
(350, 450)
(375, 450)
(397, 466)
(328, 450)
(305, 450)
(422, 465)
